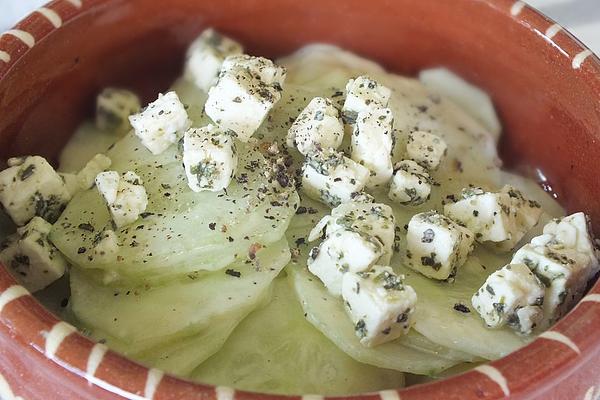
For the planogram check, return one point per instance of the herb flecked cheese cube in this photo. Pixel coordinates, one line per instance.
(206, 55)
(511, 296)
(87, 175)
(124, 194)
(31, 258)
(503, 217)
(342, 251)
(411, 184)
(379, 303)
(317, 127)
(562, 267)
(209, 158)
(31, 187)
(426, 149)
(375, 219)
(247, 88)
(372, 142)
(363, 94)
(574, 232)
(330, 177)
(113, 108)
(436, 245)
(161, 123)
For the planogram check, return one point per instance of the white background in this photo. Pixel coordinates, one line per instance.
(581, 17)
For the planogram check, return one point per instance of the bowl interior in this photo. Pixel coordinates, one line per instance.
(550, 110)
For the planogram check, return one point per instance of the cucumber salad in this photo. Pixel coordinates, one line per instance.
(313, 224)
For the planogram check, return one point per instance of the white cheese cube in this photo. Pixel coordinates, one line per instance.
(31, 258)
(503, 217)
(379, 304)
(426, 149)
(260, 68)
(86, 177)
(125, 195)
(209, 158)
(411, 184)
(372, 143)
(511, 296)
(206, 55)
(105, 248)
(330, 177)
(32, 188)
(436, 245)
(563, 270)
(161, 122)
(113, 108)
(574, 232)
(342, 251)
(363, 94)
(484, 213)
(318, 126)
(374, 219)
(247, 89)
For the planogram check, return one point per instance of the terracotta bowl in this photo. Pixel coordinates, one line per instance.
(545, 84)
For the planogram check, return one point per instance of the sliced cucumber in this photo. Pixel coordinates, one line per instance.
(469, 97)
(327, 314)
(143, 317)
(275, 350)
(182, 231)
(438, 320)
(85, 143)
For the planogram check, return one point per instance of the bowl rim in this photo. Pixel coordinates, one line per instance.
(151, 382)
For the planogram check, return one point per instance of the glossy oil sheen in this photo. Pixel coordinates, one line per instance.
(546, 92)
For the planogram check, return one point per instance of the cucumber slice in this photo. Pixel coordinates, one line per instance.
(143, 317)
(275, 350)
(85, 143)
(436, 318)
(469, 97)
(182, 231)
(327, 314)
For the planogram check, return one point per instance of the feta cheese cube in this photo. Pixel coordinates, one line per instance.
(206, 55)
(436, 245)
(411, 184)
(32, 188)
(125, 195)
(342, 251)
(245, 92)
(426, 149)
(564, 271)
(31, 258)
(330, 177)
(374, 219)
(484, 213)
(363, 94)
(372, 143)
(209, 158)
(161, 122)
(503, 217)
(574, 232)
(113, 108)
(86, 177)
(379, 304)
(511, 296)
(318, 126)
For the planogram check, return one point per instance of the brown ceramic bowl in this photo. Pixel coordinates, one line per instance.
(545, 84)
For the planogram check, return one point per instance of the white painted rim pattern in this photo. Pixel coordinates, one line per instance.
(61, 330)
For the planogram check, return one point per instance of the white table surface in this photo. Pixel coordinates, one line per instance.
(581, 17)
